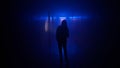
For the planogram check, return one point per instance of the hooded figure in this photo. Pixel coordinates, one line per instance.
(62, 33)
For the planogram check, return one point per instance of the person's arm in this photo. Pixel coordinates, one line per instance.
(67, 32)
(57, 34)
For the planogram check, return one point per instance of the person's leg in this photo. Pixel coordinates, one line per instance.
(60, 53)
(65, 51)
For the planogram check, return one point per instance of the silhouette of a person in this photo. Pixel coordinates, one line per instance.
(62, 33)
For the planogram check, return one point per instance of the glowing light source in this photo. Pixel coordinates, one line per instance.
(62, 18)
(46, 25)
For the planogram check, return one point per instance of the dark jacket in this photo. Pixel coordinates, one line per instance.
(62, 33)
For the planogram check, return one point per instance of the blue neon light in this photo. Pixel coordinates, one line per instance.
(60, 18)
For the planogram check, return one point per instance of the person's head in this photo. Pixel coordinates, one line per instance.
(64, 23)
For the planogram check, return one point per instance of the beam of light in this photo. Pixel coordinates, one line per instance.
(46, 25)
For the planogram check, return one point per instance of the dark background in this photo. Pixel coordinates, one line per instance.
(19, 37)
